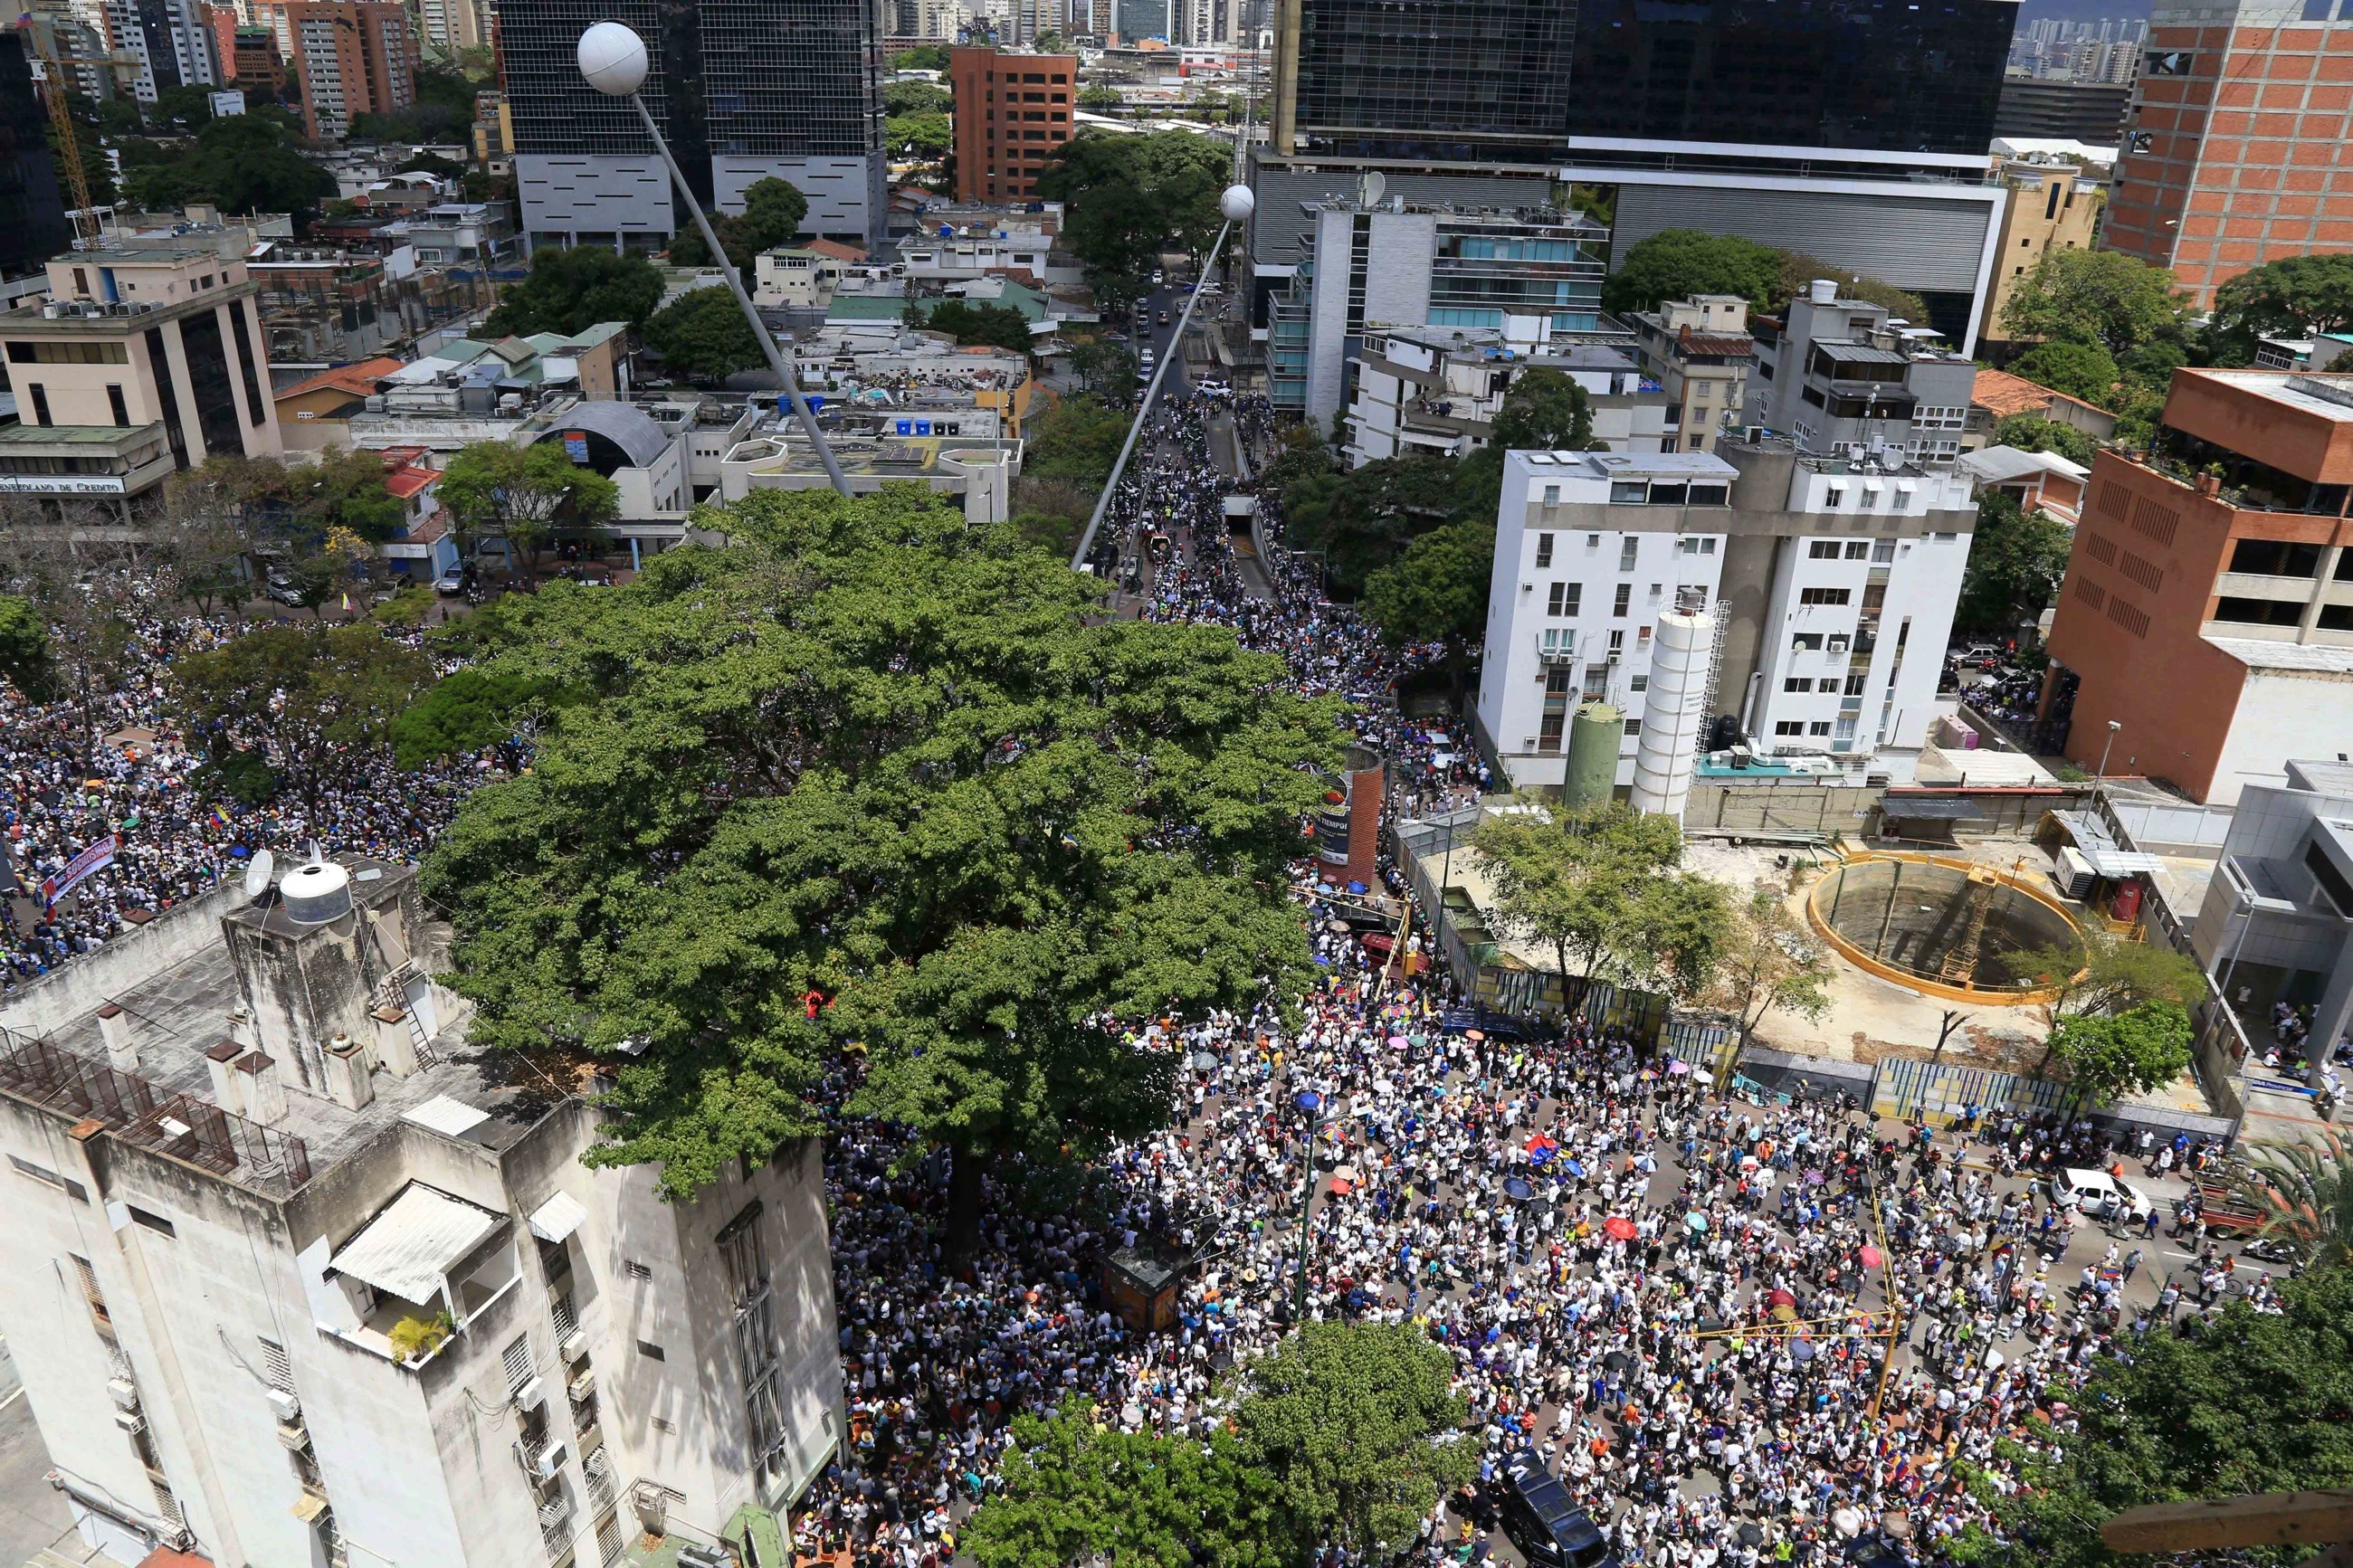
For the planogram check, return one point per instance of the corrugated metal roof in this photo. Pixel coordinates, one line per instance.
(406, 1249)
(558, 1217)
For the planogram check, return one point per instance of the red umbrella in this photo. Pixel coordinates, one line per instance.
(1619, 1226)
(1780, 1299)
(1870, 1256)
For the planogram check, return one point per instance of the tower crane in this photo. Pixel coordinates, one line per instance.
(53, 88)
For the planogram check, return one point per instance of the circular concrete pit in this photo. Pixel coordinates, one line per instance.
(1941, 927)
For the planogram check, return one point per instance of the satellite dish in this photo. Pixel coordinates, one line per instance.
(257, 873)
(1371, 188)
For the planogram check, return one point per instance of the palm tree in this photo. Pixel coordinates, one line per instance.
(2305, 1199)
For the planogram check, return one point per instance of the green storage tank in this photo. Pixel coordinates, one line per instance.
(1593, 737)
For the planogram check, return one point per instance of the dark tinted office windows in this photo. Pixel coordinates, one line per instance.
(1878, 75)
(32, 212)
(208, 377)
(1440, 72)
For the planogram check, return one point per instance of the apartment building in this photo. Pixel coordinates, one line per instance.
(1374, 261)
(1843, 378)
(163, 43)
(2208, 606)
(1012, 111)
(298, 1280)
(140, 362)
(1699, 351)
(1831, 581)
(2053, 207)
(354, 57)
(1438, 389)
(2230, 153)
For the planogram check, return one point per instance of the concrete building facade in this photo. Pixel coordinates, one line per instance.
(2207, 606)
(2232, 149)
(1831, 582)
(2053, 207)
(298, 1282)
(352, 58)
(1844, 379)
(1438, 389)
(142, 363)
(1699, 351)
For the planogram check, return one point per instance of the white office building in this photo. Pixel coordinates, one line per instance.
(1831, 582)
(1438, 389)
(298, 1281)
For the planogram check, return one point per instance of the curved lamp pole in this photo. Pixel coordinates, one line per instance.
(1235, 205)
(613, 60)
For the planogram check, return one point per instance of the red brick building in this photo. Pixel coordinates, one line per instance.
(2232, 156)
(2207, 606)
(1011, 113)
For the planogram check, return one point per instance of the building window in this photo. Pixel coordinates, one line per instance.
(1834, 497)
(41, 404)
(1556, 710)
(1565, 599)
(1551, 495)
(1543, 549)
(1822, 549)
(1627, 550)
(1819, 726)
(1625, 597)
(1789, 727)
(49, 1178)
(1824, 595)
(1633, 726)
(1797, 683)
(1858, 549)
(757, 1358)
(121, 409)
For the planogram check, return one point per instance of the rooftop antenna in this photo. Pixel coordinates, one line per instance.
(258, 872)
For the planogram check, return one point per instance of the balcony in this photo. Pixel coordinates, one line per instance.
(99, 461)
(416, 1277)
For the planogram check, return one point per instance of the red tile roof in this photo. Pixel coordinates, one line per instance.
(359, 380)
(2002, 395)
(836, 249)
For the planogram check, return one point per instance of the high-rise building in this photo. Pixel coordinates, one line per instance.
(32, 211)
(296, 1281)
(2053, 207)
(1012, 113)
(449, 25)
(1854, 131)
(168, 42)
(742, 89)
(2091, 112)
(1845, 379)
(354, 58)
(1832, 581)
(2232, 150)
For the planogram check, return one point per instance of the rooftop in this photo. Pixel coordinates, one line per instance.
(2312, 658)
(2000, 393)
(1635, 465)
(25, 437)
(1993, 465)
(2328, 396)
(359, 379)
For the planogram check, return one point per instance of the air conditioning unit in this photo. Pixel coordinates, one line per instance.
(575, 1345)
(530, 1395)
(548, 1462)
(293, 1435)
(284, 1405)
(125, 1393)
(130, 1421)
(583, 1385)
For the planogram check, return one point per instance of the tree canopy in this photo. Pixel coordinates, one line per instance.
(2256, 1401)
(1436, 591)
(1600, 888)
(1129, 197)
(1077, 439)
(246, 164)
(1767, 960)
(2110, 1053)
(1000, 326)
(571, 289)
(2017, 559)
(2289, 297)
(773, 211)
(868, 751)
(524, 495)
(703, 332)
(1342, 1436)
(2034, 433)
(319, 700)
(2305, 1197)
(2080, 370)
(24, 659)
(2098, 297)
(1676, 263)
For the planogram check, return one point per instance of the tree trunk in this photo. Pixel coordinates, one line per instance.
(960, 1234)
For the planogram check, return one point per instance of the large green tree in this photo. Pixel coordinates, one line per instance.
(1798, 271)
(1130, 197)
(26, 661)
(869, 751)
(320, 699)
(2256, 1401)
(572, 289)
(1676, 263)
(2080, 370)
(1365, 519)
(1077, 439)
(246, 164)
(2102, 296)
(2291, 297)
(2034, 433)
(1436, 591)
(703, 332)
(772, 215)
(524, 495)
(1765, 960)
(2017, 559)
(1600, 888)
(996, 326)
(2111, 1054)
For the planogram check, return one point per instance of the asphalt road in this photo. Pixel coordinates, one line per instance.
(32, 1513)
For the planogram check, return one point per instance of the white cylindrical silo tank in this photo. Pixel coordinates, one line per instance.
(1673, 712)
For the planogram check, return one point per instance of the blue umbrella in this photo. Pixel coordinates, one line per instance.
(1695, 1221)
(1517, 1189)
(1803, 1350)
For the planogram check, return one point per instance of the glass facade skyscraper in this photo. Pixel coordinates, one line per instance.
(33, 225)
(1512, 80)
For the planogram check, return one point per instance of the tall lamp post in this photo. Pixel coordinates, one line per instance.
(2100, 779)
(613, 59)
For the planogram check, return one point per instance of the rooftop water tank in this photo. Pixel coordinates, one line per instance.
(1593, 743)
(1672, 716)
(316, 893)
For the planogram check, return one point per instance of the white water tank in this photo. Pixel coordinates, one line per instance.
(1673, 712)
(316, 893)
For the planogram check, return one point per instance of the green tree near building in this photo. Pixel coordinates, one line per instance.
(2094, 297)
(998, 326)
(2017, 559)
(572, 289)
(2034, 433)
(868, 751)
(773, 213)
(1077, 439)
(1436, 591)
(246, 164)
(2108, 1055)
(1600, 887)
(2295, 297)
(2081, 370)
(703, 332)
(1130, 197)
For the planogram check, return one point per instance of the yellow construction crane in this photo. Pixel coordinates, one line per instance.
(53, 86)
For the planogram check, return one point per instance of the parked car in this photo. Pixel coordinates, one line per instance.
(2098, 1196)
(1550, 1530)
(280, 589)
(449, 584)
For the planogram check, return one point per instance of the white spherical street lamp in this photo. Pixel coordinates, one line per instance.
(613, 58)
(1237, 203)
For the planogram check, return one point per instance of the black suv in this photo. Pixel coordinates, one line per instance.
(1550, 1530)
